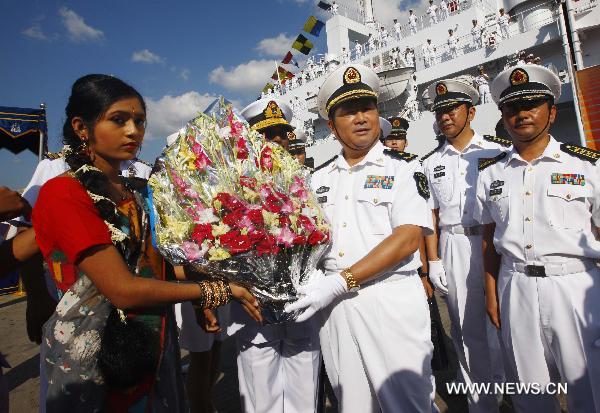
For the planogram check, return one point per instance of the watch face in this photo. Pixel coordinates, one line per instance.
(354, 289)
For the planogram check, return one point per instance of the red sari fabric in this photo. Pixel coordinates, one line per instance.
(66, 224)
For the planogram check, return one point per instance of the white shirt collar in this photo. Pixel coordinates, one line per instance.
(374, 156)
(552, 152)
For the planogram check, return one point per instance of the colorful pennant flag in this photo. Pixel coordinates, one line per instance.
(20, 128)
(287, 58)
(324, 5)
(302, 44)
(267, 87)
(313, 26)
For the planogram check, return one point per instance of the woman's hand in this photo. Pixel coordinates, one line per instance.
(247, 300)
(207, 320)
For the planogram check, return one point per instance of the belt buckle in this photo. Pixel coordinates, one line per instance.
(535, 270)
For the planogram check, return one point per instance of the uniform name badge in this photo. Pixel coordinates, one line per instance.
(379, 182)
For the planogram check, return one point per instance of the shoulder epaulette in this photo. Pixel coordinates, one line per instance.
(401, 156)
(53, 155)
(485, 162)
(429, 154)
(496, 139)
(581, 152)
(323, 165)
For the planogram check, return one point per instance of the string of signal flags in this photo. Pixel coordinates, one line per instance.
(302, 44)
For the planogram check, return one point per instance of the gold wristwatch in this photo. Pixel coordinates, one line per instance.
(351, 283)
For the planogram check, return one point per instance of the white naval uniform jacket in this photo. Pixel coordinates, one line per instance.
(365, 202)
(452, 177)
(544, 210)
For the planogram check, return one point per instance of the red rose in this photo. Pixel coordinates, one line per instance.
(234, 218)
(256, 217)
(284, 221)
(267, 245)
(202, 232)
(248, 182)
(256, 236)
(316, 237)
(299, 240)
(235, 242)
(228, 202)
(273, 203)
(306, 223)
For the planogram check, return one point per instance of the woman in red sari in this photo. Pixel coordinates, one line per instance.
(92, 227)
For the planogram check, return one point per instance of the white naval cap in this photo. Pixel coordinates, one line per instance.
(525, 82)
(385, 126)
(450, 92)
(347, 82)
(268, 112)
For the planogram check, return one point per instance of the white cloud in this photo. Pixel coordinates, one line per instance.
(245, 77)
(146, 56)
(276, 46)
(78, 30)
(184, 74)
(386, 11)
(35, 32)
(170, 113)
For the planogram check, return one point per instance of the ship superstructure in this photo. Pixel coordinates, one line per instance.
(407, 63)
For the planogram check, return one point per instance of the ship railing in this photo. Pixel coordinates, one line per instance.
(352, 13)
(490, 37)
(584, 5)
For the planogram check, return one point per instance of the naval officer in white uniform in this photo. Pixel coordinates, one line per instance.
(278, 364)
(375, 334)
(452, 174)
(540, 206)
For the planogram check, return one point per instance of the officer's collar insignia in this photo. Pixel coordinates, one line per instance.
(379, 182)
(439, 168)
(485, 162)
(401, 156)
(567, 179)
(396, 123)
(496, 184)
(581, 152)
(441, 89)
(422, 185)
(322, 189)
(273, 111)
(351, 75)
(518, 77)
(496, 139)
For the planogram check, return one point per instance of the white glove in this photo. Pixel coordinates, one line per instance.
(318, 293)
(437, 275)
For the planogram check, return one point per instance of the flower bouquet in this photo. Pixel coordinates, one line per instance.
(233, 205)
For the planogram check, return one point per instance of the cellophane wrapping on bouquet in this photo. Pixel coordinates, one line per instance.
(230, 204)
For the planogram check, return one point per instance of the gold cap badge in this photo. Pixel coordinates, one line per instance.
(441, 89)
(518, 77)
(273, 110)
(351, 75)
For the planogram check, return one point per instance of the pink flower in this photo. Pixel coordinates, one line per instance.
(286, 237)
(298, 189)
(287, 207)
(236, 127)
(202, 161)
(192, 251)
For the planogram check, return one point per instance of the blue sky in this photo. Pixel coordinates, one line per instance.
(178, 54)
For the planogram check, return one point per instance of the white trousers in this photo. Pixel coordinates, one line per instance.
(280, 376)
(484, 94)
(478, 353)
(504, 30)
(413, 29)
(377, 348)
(551, 331)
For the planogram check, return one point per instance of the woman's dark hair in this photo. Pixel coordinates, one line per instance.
(91, 96)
